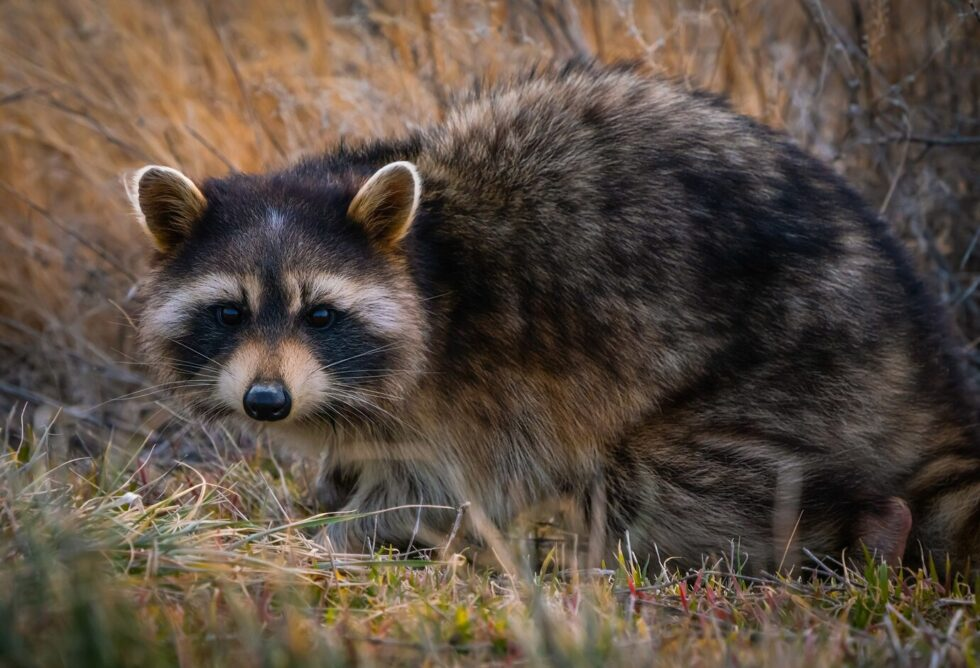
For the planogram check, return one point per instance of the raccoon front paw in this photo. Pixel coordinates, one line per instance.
(335, 489)
(341, 539)
(359, 534)
(397, 529)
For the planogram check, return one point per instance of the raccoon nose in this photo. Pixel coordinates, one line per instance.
(267, 401)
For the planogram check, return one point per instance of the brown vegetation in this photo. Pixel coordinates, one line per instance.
(888, 92)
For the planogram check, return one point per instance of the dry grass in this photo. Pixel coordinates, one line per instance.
(887, 91)
(107, 565)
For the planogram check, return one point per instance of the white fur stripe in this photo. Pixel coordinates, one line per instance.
(369, 303)
(168, 317)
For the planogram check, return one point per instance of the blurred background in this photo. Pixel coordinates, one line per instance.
(886, 91)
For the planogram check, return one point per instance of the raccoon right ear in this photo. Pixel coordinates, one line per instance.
(166, 202)
(385, 205)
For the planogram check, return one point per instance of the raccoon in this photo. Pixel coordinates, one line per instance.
(586, 284)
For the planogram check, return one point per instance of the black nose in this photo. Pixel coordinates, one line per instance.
(267, 401)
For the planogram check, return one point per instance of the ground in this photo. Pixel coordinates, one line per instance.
(131, 535)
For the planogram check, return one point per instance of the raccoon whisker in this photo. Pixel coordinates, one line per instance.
(182, 366)
(356, 393)
(354, 372)
(359, 378)
(149, 391)
(207, 411)
(347, 400)
(190, 374)
(371, 393)
(183, 381)
(181, 361)
(154, 396)
(385, 372)
(343, 376)
(335, 414)
(201, 382)
(379, 395)
(438, 296)
(197, 352)
(196, 417)
(332, 414)
(399, 421)
(191, 368)
(160, 385)
(367, 352)
(354, 408)
(373, 406)
(341, 428)
(368, 375)
(193, 375)
(350, 382)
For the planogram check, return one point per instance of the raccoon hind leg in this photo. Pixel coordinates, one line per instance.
(944, 495)
(884, 529)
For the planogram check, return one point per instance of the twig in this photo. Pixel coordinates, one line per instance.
(37, 398)
(240, 81)
(98, 127)
(898, 172)
(104, 255)
(930, 140)
(17, 95)
(211, 148)
(455, 529)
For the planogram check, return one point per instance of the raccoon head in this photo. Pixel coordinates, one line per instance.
(285, 296)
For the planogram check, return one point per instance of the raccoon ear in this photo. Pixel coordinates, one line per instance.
(166, 202)
(386, 204)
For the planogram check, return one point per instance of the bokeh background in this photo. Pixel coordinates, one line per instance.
(886, 91)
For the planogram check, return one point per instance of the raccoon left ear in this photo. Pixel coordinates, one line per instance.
(166, 202)
(386, 204)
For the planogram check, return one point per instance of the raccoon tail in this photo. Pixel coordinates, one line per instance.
(944, 495)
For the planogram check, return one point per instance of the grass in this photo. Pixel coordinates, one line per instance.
(113, 563)
(131, 535)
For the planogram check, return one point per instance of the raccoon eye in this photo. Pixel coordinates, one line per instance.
(229, 316)
(320, 317)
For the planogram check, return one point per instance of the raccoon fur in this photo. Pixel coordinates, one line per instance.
(585, 284)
